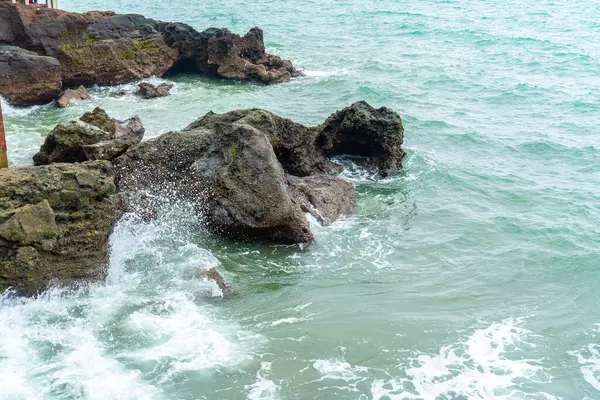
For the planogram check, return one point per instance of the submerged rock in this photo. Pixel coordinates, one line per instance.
(65, 98)
(253, 175)
(95, 136)
(150, 91)
(55, 223)
(27, 78)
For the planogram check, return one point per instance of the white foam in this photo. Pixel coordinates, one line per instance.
(263, 388)
(479, 368)
(589, 359)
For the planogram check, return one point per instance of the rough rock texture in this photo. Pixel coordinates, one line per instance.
(95, 136)
(55, 223)
(362, 130)
(325, 197)
(108, 48)
(252, 175)
(27, 78)
(150, 91)
(65, 98)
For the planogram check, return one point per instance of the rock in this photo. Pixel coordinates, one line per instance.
(94, 137)
(243, 190)
(325, 197)
(252, 175)
(29, 224)
(218, 52)
(362, 130)
(108, 48)
(149, 91)
(27, 78)
(68, 95)
(214, 275)
(55, 223)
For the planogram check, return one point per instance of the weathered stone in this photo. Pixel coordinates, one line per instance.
(376, 134)
(55, 223)
(108, 48)
(95, 137)
(325, 197)
(65, 98)
(27, 78)
(150, 91)
(233, 167)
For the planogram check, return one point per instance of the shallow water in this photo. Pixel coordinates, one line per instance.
(472, 274)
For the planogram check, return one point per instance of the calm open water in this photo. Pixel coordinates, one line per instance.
(473, 274)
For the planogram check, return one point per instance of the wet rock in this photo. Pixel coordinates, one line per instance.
(214, 276)
(95, 136)
(65, 98)
(325, 197)
(243, 189)
(55, 223)
(150, 91)
(27, 78)
(108, 48)
(361, 130)
(252, 175)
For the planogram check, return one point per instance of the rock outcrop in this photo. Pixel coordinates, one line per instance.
(107, 48)
(65, 98)
(149, 91)
(55, 223)
(27, 78)
(253, 175)
(95, 136)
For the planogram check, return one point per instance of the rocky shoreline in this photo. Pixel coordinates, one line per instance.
(45, 50)
(250, 175)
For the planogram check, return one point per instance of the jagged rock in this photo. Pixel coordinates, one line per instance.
(55, 223)
(325, 197)
(94, 137)
(362, 130)
(233, 167)
(108, 48)
(65, 98)
(27, 78)
(150, 91)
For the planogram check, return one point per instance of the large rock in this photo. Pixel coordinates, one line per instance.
(362, 130)
(108, 48)
(95, 136)
(252, 175)
(55, 223)
(27, 78)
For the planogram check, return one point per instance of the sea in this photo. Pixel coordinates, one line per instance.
(474, 273)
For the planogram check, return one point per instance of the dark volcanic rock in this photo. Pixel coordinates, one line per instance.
(108, 48)
(362, 130)
(65, 98)
(95, 136)
(55, 223)
(150, 91)
(27, 78)
(252, 175)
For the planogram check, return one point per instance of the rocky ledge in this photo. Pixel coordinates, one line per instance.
(52, 48)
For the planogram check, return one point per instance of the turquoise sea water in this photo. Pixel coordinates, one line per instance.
(472, 274)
